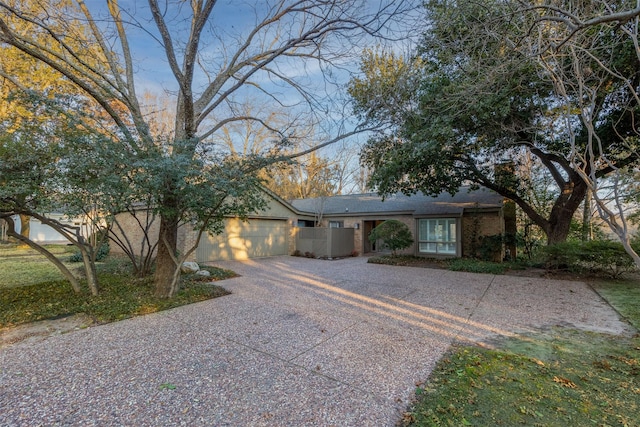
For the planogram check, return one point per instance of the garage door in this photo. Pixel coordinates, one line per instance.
(243, 240)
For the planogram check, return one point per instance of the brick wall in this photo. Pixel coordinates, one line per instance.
(478, 224)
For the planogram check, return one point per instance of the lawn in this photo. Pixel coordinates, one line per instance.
(20, 266)
(557, 377)
(32, 289)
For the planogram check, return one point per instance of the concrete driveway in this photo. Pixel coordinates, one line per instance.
(300, 342)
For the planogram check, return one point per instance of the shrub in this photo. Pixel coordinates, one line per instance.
(594, 256)
(395, 235)
(101, 254)
(607, 256)
(476, 266)
(561, 256)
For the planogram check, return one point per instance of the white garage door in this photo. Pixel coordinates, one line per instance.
(243, 240)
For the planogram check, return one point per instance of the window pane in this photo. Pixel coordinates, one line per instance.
(452, 230)
(437, 236)
(429, 248)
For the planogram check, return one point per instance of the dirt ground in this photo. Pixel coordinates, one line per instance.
(38, 331)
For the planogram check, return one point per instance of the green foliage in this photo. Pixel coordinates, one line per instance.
(394, 234)
(477, 266)
(407, 260)
(121, 296)
(483, 96)
(101, 254)
(490, 247)
(594, 256)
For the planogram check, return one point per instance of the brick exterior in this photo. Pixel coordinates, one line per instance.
(479, 224)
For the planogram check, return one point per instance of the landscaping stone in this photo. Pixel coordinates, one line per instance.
(189, 267)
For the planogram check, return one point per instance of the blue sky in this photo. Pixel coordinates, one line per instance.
(231, 21)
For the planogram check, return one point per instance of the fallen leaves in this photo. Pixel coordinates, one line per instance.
(565, 382)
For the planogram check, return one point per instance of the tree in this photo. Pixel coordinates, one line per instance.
(592, 55)
(30, 167)
(394, 234)
(310, 175)
(482, 100)
(213, 62)
(20, 73)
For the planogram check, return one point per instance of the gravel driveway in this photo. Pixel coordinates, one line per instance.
(300, 342)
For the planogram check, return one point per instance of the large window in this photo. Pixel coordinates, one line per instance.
(437, 236)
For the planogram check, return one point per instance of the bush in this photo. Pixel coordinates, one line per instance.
(476, 266)
(395, 235)
(595, 256)
(101, 254)
(607, 256)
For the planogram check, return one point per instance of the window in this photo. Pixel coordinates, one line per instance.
(336, 224)
(437, 236)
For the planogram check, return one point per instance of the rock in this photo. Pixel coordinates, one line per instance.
(203, 273)
(189, 267)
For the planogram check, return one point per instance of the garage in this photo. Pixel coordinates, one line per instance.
(242, 240)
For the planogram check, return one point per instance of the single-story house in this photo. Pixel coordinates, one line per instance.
(269, 232)
(443, 226)
(43, 234)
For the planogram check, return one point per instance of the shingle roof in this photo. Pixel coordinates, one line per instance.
(417, 204)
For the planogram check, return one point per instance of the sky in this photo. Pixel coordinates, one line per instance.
(230, 23)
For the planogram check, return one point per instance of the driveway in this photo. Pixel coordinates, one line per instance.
(300, 342)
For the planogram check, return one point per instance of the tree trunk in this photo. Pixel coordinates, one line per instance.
(164, 279)
(90, 270)
(586, 218)
(558, 231)
(25, 228)
(565, 206)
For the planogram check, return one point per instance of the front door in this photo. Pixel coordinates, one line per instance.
(367, 226)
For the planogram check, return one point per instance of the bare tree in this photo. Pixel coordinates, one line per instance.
(213, 62)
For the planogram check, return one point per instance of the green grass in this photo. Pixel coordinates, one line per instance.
(553, 378)
(21, 266)
(121, 295)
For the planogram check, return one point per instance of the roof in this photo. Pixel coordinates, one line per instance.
(417, 204)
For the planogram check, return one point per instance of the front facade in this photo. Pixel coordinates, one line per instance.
(442, 226)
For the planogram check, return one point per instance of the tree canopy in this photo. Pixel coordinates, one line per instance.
(212, 55)
(484, 104)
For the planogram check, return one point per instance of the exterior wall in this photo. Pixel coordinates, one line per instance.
(472, 226)
(357, 223)
(42, 233)
(187, 236)
(129, 228)
(478, 224)
(325, 242)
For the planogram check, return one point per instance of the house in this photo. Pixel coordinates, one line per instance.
(443, 226)
(269, 232)
(44, 234)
